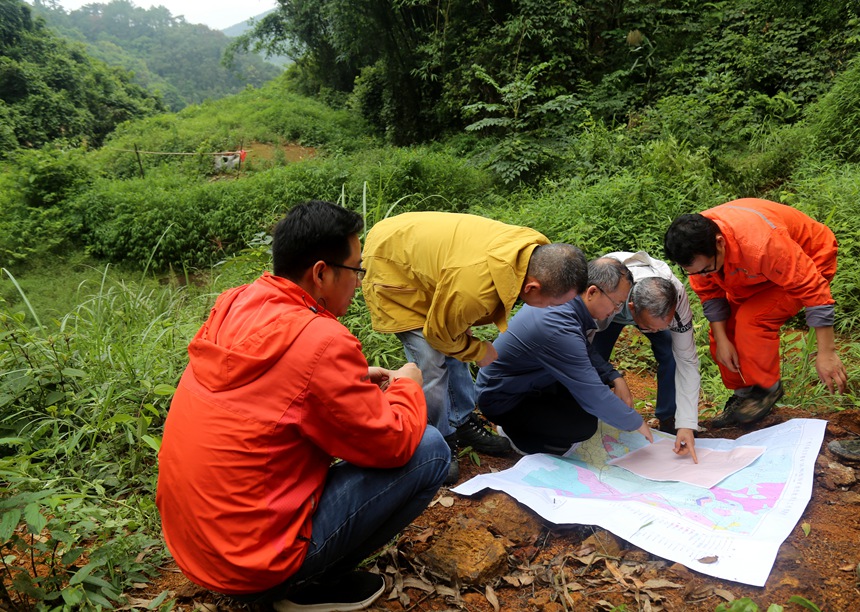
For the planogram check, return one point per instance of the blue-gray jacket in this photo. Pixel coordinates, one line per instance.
(543, 346)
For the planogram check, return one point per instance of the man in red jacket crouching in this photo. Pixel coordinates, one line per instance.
(251, 504)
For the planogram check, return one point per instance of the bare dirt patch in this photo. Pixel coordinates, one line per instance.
(291, 152)
(549, 571)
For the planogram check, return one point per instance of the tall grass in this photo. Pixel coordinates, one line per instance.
(82, 402)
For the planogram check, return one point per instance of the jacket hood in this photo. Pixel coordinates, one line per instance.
(248, 330)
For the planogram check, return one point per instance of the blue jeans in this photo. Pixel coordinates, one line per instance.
(448, 385)
(361, 509)
(661, 346)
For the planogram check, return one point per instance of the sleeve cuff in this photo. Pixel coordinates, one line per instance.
(717, 309)
(820, 316)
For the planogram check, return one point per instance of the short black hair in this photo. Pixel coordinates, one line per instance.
(690, 236)
(312, 231)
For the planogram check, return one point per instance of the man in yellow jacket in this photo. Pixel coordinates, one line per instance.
(431, 276)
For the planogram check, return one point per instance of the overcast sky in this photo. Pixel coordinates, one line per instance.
(217, 14)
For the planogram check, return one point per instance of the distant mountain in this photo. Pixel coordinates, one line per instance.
(240, 28)
(179, 60)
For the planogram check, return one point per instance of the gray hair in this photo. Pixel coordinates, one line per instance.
(606, 273)
(558, 267)
(654, 295)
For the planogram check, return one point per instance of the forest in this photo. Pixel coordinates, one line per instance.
(595, 123)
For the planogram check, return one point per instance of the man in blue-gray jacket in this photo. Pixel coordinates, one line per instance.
(549, 387)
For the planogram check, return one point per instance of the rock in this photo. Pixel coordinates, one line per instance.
(788, 556)
(605, 544)
(509, 519)
(544, 604)
(840, 475)
(467, 553)
(849, 498)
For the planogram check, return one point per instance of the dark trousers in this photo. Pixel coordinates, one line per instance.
(661, 346)
(547, 422)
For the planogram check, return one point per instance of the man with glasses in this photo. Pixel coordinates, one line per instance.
(548, 387)
(431, 276)
(659, 307)
(251, 501)
(755, 264)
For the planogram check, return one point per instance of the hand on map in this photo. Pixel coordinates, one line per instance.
(646, 431)
(685, 443)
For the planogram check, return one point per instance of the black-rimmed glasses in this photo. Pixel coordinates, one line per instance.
(707, 270)
(359, 272)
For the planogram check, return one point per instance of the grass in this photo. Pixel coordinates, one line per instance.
(83, 396)
(53, 289)
(90, 353)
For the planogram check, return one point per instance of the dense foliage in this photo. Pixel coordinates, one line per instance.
(179, 60)
(52, 91)
(412, 67)
(595, 123)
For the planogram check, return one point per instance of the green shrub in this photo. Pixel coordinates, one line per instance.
(627, 210)
(830, 193)
(82, 404)
(170, 220)
(835, 119)
(270, 114)
(34, 219)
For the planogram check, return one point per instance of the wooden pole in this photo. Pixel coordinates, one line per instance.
(139, 163)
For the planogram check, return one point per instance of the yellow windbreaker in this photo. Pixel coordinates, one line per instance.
(442, 273)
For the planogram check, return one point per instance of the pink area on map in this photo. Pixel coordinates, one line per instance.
(658, 462)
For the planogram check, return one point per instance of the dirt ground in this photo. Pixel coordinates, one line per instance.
(546, 574)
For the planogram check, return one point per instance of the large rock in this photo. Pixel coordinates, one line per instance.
(467, 553)
(509, 519)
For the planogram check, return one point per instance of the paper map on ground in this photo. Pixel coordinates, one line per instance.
(658, 462)
(741, 522)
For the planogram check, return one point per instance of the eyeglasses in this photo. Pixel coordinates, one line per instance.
(706, 270)
(618, 305)
(359, 272)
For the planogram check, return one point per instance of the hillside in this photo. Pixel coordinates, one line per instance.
(179, 60)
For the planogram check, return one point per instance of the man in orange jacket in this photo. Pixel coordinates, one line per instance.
(755, 264)
(251, 504)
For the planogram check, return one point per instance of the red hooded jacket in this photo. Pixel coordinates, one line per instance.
(275, 389)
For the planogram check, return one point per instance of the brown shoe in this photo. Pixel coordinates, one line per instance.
(758, 405)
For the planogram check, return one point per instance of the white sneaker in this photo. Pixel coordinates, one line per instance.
(572, 450)
(502, 433)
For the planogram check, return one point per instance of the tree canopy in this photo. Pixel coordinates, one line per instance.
(51, 90)
(413, 66)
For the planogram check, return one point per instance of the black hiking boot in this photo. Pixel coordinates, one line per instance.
(758, 405)
(727, 417)
(667, 426)
(453, 467)
(475, 434)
